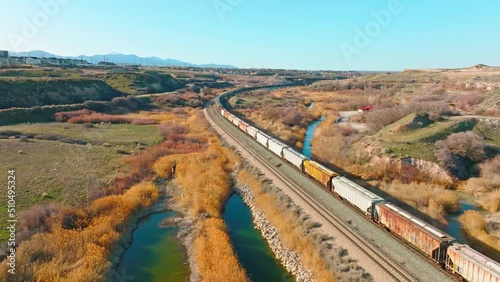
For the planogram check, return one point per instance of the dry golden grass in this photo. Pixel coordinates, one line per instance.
(430, 199)
(328, 143)
(290, 229)
(78, 247)
(214, 253)
(203, 178)
(487, 186)
(204, 183)
(491, 201)
(475, 227)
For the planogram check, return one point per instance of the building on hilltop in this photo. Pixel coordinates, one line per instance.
(7, 61)
(4, 58)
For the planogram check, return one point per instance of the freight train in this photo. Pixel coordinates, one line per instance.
(458, 259)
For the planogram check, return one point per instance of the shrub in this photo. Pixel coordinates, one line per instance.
(459, 150)
(466, 102)
(36, 219)
(475, 228)
(214, 254)
(64, 116)
(490, 170)
(94, 117)
(491, 201)
(97, 106)
(79, 242)
(170, 131)
(125, 102)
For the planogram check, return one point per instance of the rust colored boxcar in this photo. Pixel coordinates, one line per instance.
(471, 265)
(319, 172)
(243, 126)
(424, 236)
(226, 114)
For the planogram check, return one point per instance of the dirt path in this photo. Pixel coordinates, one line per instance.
(345, 117)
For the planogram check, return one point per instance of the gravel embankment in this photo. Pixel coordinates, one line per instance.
(289, 259)
(335, 257)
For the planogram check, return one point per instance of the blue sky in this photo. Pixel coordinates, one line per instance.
(316, 34)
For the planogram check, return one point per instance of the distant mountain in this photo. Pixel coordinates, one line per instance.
(119, 59)
(475, 68)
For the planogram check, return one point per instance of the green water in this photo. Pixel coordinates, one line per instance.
(155, 254)
(251, 248)
(454, 227)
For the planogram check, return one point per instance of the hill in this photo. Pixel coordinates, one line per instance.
(35, 92)
(414, 135)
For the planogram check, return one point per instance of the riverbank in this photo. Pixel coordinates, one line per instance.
(252, 249)
(292, 236)
(289, 259)
(126, 239)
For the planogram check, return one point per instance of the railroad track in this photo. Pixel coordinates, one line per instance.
(377, 255)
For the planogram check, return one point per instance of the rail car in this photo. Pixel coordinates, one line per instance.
(236, 121)
(319, 172)
(356, 195)
(243, 126)
(294, 157)
(440, 247)
(425, 237)
(276, 146)
(262, 138)
(252, 131)
(471, 265)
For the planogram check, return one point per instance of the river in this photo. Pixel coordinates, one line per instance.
(251, 248)
(155, 254)
(306, 149)
(454, 227)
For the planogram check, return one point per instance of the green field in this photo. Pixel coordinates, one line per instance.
(127, 135)
(67, 173)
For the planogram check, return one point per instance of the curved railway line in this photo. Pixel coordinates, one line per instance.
(428, 245)
(377, 255)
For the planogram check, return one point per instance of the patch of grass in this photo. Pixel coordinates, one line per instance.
(128, 135)
(419, 143)
(142, 82)
(52, 171)
(475, 228)
(489, 130)
(400, 130)
(422, 150)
